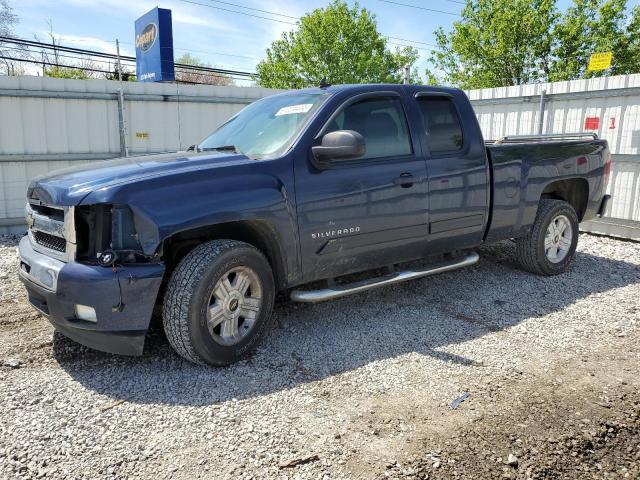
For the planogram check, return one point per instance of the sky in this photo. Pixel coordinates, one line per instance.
(217, 35)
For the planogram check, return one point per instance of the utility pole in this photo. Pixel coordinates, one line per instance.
(124, 149)
(407, 74)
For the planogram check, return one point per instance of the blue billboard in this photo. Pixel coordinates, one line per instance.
(154, 46)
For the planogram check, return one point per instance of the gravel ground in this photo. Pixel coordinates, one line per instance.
(356, 388)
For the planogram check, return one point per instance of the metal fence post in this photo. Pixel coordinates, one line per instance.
(124, 150)
(541, 114)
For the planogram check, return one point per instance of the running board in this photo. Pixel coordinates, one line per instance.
(337, 291)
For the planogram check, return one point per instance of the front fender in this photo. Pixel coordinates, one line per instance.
(164, 206)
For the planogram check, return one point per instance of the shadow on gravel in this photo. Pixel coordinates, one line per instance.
(312, 342)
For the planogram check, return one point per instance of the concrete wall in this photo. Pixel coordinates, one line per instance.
(614, 101)
(51, 123)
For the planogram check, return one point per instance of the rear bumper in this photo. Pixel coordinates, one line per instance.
(123, 300)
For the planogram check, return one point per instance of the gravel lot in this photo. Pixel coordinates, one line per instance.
(356, 388)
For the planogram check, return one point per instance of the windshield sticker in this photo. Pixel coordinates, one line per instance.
(302, 108)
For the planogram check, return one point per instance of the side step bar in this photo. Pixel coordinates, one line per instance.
(337, 291)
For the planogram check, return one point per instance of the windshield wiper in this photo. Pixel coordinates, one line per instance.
(223, 148)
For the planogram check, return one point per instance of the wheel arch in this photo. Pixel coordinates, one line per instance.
(258, 233)
(574, 191)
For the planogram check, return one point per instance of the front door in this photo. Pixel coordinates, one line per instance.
(370, 211)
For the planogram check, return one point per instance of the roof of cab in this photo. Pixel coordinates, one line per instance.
(372, 87)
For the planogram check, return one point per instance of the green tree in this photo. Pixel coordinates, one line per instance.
(66, 72)
(510, 42)
(572, 38)
(127, 76)
(630, 63)
(592, 26)
(496, 43)
(339, 43)
(188, 75)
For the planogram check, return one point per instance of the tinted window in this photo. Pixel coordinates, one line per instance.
(442, 123)
(381, 122)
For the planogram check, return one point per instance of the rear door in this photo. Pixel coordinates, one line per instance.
(457, 169)
(370, 211)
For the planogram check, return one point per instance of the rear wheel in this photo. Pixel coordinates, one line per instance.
(551, 244)
(218, 302)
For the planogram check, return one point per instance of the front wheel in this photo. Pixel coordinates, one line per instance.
(551, 244)
(218, 302)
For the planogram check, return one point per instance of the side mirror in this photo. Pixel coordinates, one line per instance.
(340, 145)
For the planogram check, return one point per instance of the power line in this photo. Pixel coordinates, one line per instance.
(212, 52)
(87, 59)
(294, 24)
(41, 62)
(297, 18)
(203, 71)
(215, 53)
(236, 11)
(411, 46)
(62, 48)
(413, 41)
(254, 9)
(419, 8)
(97, 70)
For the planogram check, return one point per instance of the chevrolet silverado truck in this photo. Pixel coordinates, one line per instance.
(316, 193)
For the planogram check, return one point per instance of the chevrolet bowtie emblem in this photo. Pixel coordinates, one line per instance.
(30, 220)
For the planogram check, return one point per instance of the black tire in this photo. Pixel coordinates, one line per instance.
(530, 249)
(188, 294)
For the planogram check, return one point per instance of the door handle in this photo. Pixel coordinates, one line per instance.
(406, 180)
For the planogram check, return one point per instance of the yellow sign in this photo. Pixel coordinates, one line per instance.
(600, 61)
(144, 135)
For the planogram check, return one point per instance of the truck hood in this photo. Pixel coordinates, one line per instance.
(69, 186)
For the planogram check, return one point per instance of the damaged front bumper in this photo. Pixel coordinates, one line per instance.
(123, 299)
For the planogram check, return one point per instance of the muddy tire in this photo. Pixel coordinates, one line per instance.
(549, 247)
(218, 303)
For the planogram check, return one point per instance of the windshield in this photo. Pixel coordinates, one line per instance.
(266, 128)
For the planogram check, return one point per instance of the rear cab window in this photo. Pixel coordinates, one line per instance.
(443, 128)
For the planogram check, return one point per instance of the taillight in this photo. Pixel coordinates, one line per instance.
(607, 171)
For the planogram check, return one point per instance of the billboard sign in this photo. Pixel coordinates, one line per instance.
(154, 46)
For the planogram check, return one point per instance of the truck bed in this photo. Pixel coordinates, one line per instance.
(523, 167)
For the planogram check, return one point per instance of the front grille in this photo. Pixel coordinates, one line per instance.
(50, 241)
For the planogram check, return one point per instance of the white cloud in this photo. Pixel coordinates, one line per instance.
(90, 43)
(181, 17)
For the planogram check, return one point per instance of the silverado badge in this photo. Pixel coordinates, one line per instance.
(336, 233)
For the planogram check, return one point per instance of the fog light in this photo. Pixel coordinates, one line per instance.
(86, 313)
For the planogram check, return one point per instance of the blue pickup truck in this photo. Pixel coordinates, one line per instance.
(317, 193)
